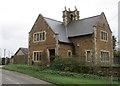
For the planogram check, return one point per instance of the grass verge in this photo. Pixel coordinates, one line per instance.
(58, 77)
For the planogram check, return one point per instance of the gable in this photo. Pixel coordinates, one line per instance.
(103, 22)
(38, 18)
(20, 52)
(42, 26)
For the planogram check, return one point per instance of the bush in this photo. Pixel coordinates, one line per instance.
(64, 64)
(69, 64)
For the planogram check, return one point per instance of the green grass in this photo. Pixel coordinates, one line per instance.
(58, 77)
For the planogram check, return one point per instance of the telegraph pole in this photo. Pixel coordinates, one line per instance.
(4, 53)
(4, 56)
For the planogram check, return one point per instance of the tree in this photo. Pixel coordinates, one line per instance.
(114, 42)
(117, 53)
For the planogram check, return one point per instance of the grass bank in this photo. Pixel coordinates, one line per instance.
(58, 77)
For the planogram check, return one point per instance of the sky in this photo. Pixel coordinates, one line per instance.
(18, 16)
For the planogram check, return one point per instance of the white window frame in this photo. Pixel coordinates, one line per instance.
(69, 51)
(106, 40)
(38, 33)
(105, 51)
(87, 57)
(34, 56)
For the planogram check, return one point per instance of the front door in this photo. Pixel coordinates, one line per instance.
(52, 54)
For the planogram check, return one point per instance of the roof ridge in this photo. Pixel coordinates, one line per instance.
(89, 17)
(23, 48)
(52, 19)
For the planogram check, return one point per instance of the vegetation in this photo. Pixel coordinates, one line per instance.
(117, 53)
(114, 42)
(71, 65)
(59, 77)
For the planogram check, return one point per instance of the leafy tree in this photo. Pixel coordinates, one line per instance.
(114, 42)
(117, 53)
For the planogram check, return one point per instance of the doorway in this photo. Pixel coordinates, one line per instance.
(52, 54)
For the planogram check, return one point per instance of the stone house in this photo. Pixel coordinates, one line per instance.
(89, 39)
(20, 57)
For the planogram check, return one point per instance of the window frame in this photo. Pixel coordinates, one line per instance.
(87, 57)
(39, 37)
(35, 59)
(103, 37)
(105, 51)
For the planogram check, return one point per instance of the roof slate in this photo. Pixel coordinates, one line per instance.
(75, 28)
(82, 27)
(59, 29)
(24, 50)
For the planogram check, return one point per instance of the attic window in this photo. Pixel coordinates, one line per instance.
(39, 36)
(104, 36)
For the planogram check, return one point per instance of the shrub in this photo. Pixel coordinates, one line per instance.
(70, 64)
(64, 64)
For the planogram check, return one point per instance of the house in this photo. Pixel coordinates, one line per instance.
(12, 60)
(20, 57)
(89, 39)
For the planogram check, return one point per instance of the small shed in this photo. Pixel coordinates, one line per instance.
(21, 56)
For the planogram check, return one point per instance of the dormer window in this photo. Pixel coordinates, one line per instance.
(39, 36)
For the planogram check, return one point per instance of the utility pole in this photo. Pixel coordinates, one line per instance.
(119, 25)
(4, 53)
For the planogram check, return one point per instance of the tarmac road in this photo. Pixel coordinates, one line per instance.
(10, 78)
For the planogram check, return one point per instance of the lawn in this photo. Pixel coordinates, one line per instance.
(59, 77)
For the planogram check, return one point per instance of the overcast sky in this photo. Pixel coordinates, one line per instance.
(18, 16)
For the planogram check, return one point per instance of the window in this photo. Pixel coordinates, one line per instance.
(37, 55)
(69, 53)
(39, 36)
(88, 55)
(104, 56)
(104, 35)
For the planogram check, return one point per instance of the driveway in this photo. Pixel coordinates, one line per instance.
(10, 78)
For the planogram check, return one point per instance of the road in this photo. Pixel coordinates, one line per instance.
(9, 77)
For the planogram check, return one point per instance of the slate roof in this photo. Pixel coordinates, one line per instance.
(59, 29)
(82, 27)
(75, 28)
(24, 50)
